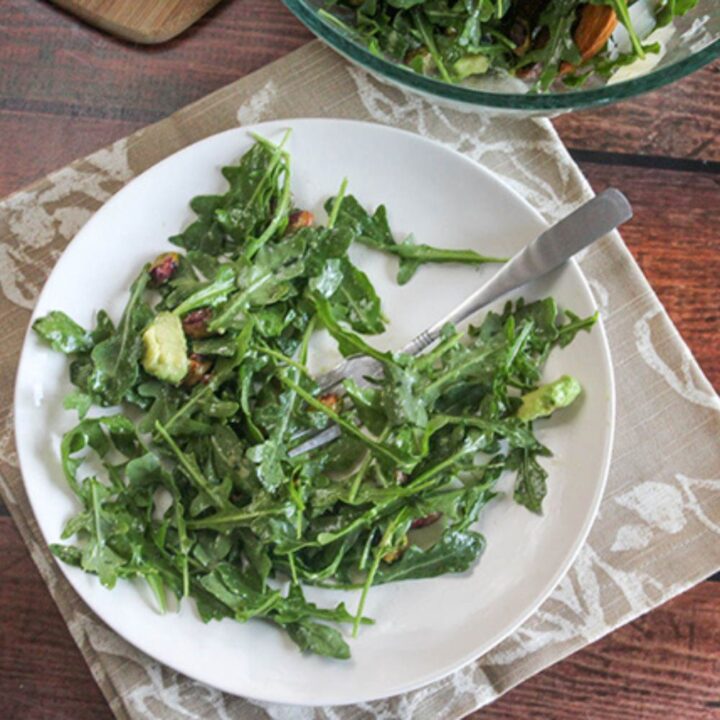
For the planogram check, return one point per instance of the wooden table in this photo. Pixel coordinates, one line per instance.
(66, 90)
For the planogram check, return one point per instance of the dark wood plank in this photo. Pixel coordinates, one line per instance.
(674, 237)
(663, 665)
(51, 64)
(32, 144)
(43, 676)
(57, 72)
(674, 121)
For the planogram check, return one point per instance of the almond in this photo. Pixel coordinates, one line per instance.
(198, 371)
(299, 219)
(195, 323)
(331, 401)
(596, 25)
(425, 521)
(397, 552)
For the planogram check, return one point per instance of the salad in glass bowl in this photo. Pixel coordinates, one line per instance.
(521, 55)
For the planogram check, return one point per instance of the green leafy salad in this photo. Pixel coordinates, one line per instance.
(542, 40)
(193, 487)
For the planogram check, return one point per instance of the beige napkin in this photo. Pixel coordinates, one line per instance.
(658, 530)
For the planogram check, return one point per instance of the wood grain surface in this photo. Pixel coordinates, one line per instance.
(66, 89)
(143, 22)
(680, 122)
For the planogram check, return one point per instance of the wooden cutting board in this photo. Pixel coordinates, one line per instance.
(143, 21)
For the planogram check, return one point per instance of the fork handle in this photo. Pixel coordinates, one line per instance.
(548, 251)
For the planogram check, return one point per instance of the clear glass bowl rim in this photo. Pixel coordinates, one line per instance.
(507, 101)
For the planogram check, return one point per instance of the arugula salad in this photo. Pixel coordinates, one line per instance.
(542, 40)
(188, 482)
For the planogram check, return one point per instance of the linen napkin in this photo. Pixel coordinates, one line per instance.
(658, 529)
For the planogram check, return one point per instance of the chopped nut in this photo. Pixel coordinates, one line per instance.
(526, 71)
(396, 553)
(163, 267)
(331, 401)
(540, 40)
(198, 370)
(300, 219)
(400, 477)
(425, 521)
(195, 323)
(519, 33)
(420, 60)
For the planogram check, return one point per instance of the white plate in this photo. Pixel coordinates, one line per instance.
(424, 629)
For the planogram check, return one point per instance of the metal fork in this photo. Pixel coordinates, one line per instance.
(548, 251)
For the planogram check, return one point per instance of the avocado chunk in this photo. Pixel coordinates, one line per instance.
(546, 399)
(471, 65)
(166, 350)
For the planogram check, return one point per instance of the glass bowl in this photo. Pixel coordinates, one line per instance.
(693, 41)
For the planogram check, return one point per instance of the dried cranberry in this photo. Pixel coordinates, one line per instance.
(425, 521)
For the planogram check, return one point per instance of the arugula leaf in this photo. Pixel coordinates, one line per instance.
(402, 403)
(374, 231)
(264, 281)
(115, 361)
(240, 217)
(531, 484)
(101, 435)
(228, 585)
(368, 403)
(348, 343)
(326, 283)
(80, 401)
(268, 457)
(188, 463)
(568, 331)
(63, 333)
(455, 552)
(212, 293)
(69, 554)
(97, 556)
(355, 301)
(319, 639)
